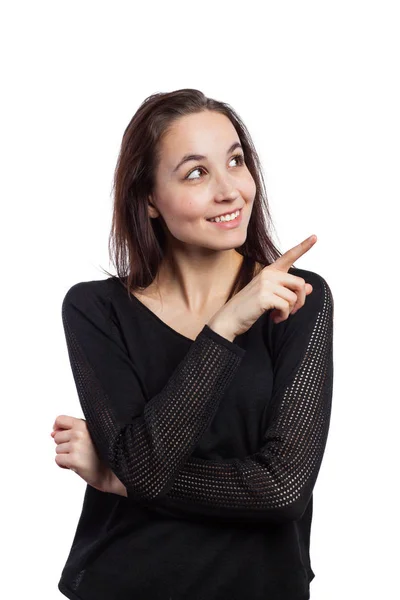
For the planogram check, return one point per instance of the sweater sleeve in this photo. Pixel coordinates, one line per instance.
(145, 443)
(276, 483)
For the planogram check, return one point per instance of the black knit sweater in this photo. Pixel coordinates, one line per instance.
(218, 443)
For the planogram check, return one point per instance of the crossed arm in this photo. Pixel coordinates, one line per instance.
(149, 453)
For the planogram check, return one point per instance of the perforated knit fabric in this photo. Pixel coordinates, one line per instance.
(276, 482)
(147, 454)
(218, 444)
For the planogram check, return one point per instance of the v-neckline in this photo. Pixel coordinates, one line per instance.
(163, 323)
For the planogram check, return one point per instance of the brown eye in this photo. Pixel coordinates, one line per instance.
(238, 157)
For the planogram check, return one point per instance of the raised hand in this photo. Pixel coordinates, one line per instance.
(273, 288)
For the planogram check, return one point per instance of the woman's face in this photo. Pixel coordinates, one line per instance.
(188, 194)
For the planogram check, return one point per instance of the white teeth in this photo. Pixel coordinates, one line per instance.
(226, 217)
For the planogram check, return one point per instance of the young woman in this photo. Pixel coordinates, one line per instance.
(204, 370)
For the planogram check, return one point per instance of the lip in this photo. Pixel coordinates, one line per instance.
(228, 224)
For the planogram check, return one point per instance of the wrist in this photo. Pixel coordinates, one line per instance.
(221, 326)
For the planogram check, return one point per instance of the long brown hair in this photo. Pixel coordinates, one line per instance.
(137, 242)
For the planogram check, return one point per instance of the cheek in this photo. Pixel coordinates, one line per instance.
(183, 214)
(190, 208)
(177, 208)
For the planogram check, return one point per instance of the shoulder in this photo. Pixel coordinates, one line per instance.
(86, 294)
(311, 277)
(288, 341)
(321, 294)
(315, 315)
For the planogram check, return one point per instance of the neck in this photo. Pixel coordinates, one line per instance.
(195, 282)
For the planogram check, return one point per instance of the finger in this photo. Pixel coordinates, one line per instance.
(281, 308)
(67, 422)
(287, 259)
(302, 297)
(296, 297)
(57, 430)
(297, 284)
(62, 436)
(62, 448)
(286, 294)
(63, 422)
(278, 314)
(63, 461)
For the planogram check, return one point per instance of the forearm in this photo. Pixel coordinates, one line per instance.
(275, 483)
(141, 448)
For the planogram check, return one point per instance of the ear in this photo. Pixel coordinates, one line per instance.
(153, 212)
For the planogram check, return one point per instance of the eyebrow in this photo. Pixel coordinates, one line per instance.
(189, 157)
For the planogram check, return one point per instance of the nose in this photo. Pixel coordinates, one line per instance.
(225, 191)
(230, 196)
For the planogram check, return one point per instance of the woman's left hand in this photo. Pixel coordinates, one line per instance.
(75, 450)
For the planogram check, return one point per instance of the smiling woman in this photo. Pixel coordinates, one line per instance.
(164, 194)
(183, 203)
(211, 416)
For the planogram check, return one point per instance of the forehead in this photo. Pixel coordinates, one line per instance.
(205, 133)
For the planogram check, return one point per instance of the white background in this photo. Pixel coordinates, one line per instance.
(317, 84)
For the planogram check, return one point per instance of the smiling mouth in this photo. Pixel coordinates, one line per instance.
(236, 214)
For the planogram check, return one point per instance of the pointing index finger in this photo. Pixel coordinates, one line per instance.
(285, 261)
